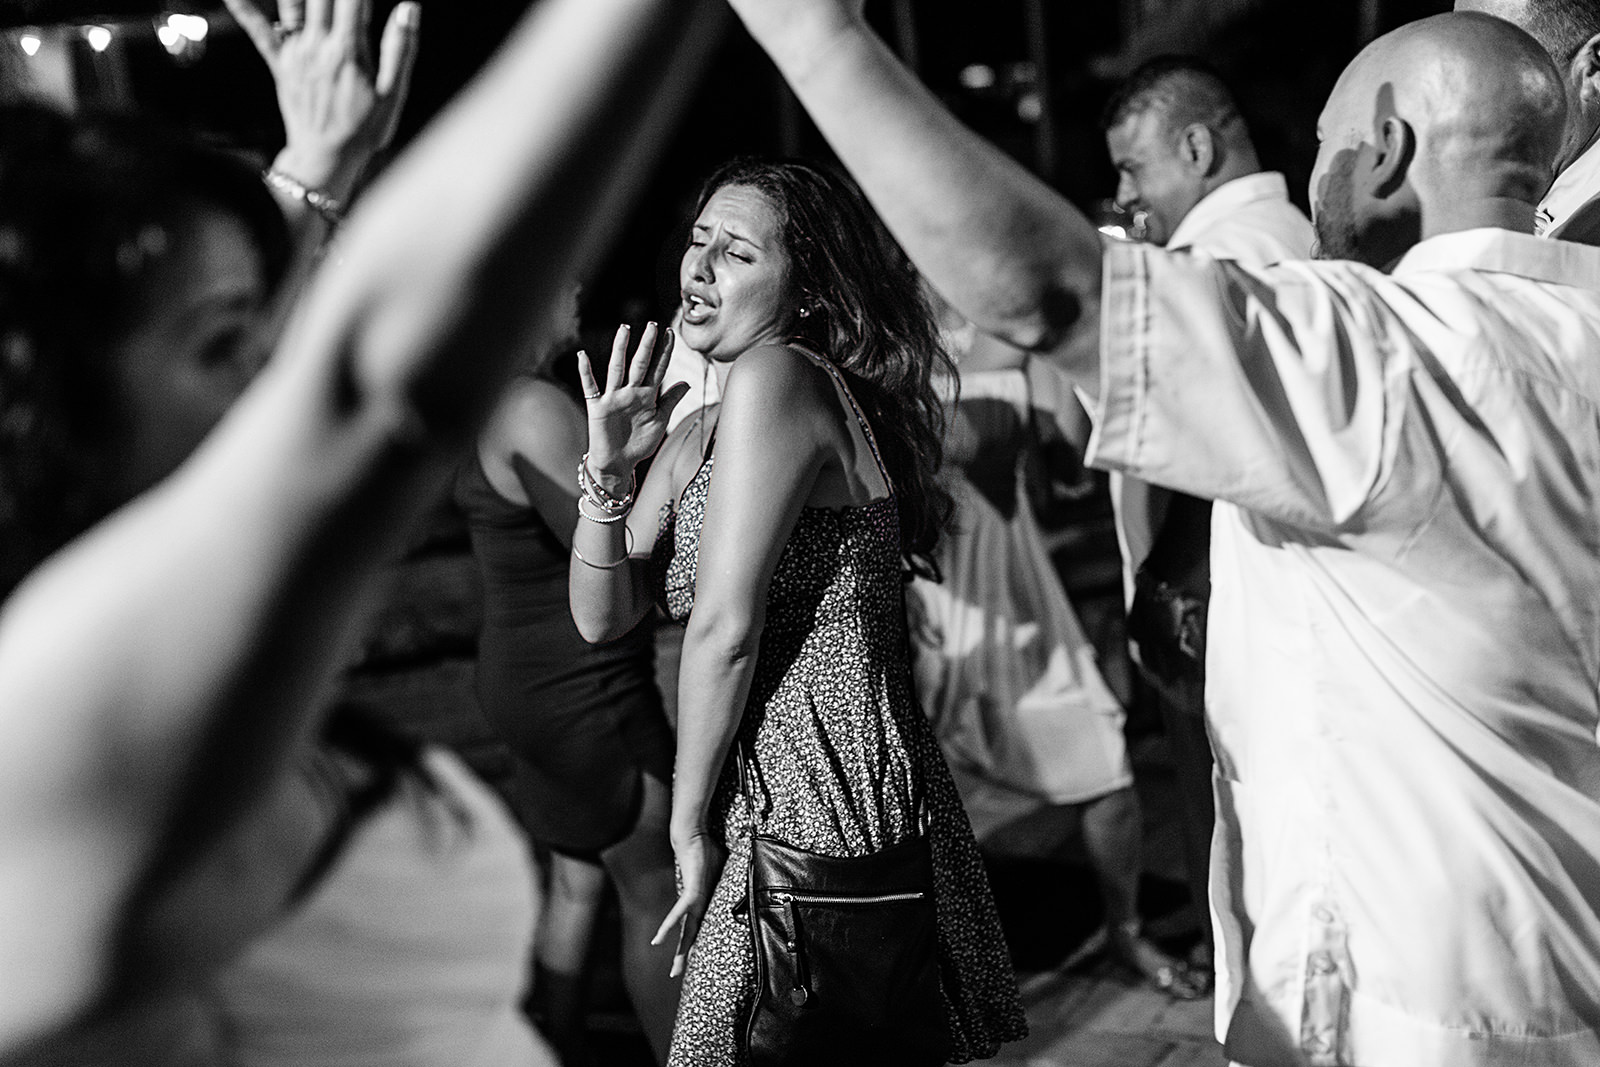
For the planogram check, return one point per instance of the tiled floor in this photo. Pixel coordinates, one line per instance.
(1096, 1016)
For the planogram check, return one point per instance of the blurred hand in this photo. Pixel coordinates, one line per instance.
(700, 861)
(628, 418)
(338, 108)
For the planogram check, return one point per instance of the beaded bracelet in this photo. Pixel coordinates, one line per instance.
(627, 553)
(331, 208)
(596, 493)
(607, 518)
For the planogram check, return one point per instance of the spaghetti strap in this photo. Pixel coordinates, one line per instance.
(861, 418)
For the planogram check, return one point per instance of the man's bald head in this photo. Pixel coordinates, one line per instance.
(1568, 31)
(1445, 123)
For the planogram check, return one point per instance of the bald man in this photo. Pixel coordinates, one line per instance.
(1569, 30)
(1405, 449)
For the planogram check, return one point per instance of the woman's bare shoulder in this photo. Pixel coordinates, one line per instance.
(783, 381)
(532, 416)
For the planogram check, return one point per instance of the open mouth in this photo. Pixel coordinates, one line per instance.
(695, 310)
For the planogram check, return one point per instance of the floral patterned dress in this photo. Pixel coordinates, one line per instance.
(840, 748)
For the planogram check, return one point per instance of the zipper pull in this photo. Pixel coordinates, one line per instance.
(800, 993)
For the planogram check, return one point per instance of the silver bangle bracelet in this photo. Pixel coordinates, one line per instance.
(627, 553)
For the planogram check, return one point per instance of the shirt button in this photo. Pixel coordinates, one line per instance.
(1322, 963)
(1323, 915)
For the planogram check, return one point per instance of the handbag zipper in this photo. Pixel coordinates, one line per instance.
(791, 901)
(787, 897)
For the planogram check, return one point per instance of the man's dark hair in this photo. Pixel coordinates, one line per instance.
(1562, 26)
(1183, 89)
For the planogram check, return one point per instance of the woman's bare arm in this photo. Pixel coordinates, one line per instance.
(628, 418)
(772, 443)
(154, 674)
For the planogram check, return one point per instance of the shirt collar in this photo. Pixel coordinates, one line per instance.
(1572, 188)
(1505, 252)
(1226, 199)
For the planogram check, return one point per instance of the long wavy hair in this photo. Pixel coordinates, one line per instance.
(865, 312)
(86, 202)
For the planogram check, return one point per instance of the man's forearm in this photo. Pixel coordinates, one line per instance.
(1007, 251)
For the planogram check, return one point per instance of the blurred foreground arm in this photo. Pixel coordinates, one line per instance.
(1004, 249)
(155, 674)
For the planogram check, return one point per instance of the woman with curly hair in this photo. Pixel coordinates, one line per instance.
(787, 566)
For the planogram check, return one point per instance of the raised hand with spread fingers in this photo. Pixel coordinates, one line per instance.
(339, 107)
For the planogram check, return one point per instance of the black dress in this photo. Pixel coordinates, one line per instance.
(839, 747)
(585, 721)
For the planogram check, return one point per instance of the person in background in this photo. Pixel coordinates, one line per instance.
(1187, 168)
(1001, 662)
(784, 555)
(185, 570)
(1403, 447)
(592, 744)
(1569, 30)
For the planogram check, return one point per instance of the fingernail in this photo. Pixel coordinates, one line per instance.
(408, 15)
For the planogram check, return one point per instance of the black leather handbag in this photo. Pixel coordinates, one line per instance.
(847, 956)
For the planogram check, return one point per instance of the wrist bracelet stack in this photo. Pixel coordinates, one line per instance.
(331, 208)
(595, 494)
(600, 507)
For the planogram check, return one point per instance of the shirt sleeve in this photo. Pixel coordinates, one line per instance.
(1276, 389)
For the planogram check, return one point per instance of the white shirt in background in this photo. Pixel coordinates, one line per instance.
(1250, 220)
(1573, 188)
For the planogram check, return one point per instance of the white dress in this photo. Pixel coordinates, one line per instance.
(1003, 667)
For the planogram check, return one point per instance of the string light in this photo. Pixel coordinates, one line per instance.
(30, 43)
(99, 37)
(194, 27)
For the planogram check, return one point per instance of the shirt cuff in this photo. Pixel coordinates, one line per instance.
(1119, 415)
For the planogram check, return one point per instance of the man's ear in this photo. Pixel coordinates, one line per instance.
(1200, 149)
(1392, 156)
(1584, 70)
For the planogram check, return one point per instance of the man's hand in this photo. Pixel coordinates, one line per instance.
(338, 108)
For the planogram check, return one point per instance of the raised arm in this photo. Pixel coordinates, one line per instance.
(339, 106)
(154, 674)
(1004, 249)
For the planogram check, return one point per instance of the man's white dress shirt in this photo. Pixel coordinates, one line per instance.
(1250, 220)
(1404, 649)
(1572, 190)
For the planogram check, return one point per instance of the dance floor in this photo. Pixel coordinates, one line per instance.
(1084, 1010)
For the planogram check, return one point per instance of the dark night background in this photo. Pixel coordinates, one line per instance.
(1051, 65)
